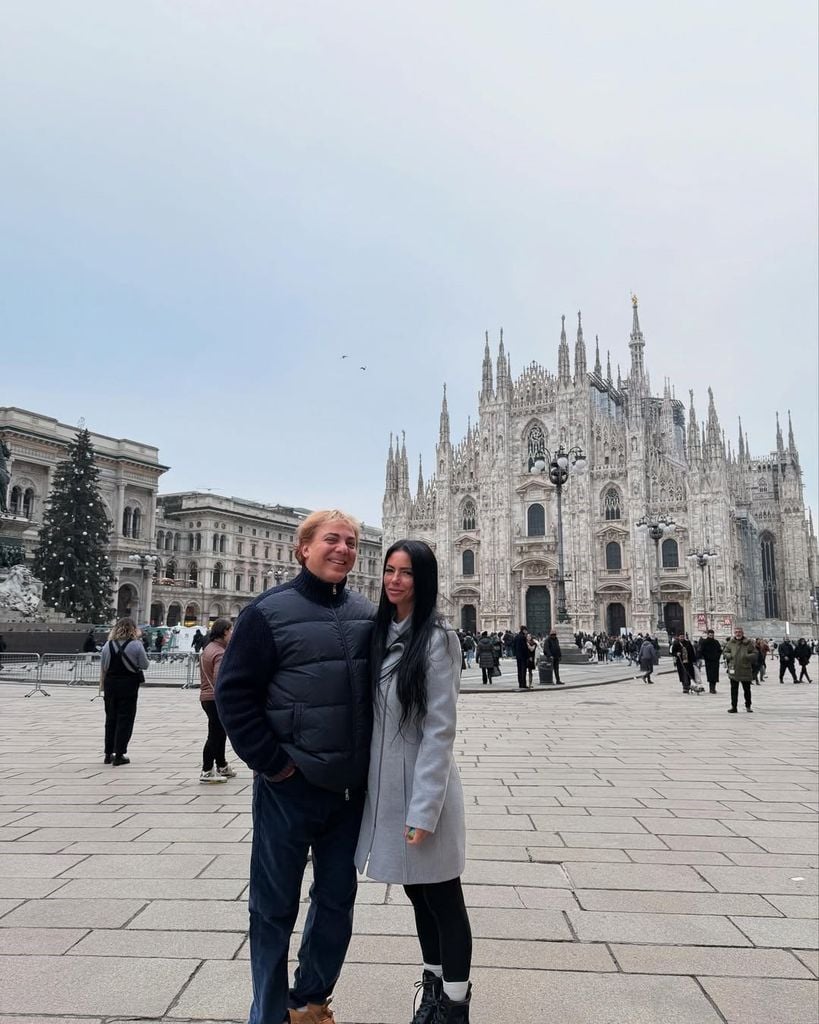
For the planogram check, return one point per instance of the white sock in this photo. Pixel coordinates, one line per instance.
(435, 969)
(456, 990)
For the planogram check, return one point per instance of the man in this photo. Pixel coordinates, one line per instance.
(294, 697)
(740, 658)
(787, 654)
(711, 652)
(682, 651)
(468, 645)
(520, 646)
(803, 652)
(554, 652)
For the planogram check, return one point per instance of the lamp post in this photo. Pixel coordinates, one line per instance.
(146, 562)
(702, 559)
(193, 581)
(559, 467)
(657, 527)
(278, 576)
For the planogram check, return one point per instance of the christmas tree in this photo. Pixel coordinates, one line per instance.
(72, 559)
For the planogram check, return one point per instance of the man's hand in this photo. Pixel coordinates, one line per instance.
(415, 836)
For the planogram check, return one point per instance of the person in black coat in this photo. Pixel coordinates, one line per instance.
(485, 657)
(711, 652)
(554, 652)
(786, 660)
(521, 651)
(90, 644)
(682, 651)
(803, 654)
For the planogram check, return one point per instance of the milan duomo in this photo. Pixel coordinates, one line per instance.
(493, 523)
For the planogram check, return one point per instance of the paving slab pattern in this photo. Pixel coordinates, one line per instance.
(633, 856)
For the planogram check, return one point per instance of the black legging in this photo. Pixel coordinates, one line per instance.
(120, 699)
(443, 927)
(214, 749)
(786, 666)
(486, 673)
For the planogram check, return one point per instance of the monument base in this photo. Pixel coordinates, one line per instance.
(569, 649)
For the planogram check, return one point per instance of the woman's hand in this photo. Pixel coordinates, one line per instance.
(415, 836)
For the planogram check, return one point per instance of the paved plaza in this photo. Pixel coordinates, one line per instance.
(634, 856)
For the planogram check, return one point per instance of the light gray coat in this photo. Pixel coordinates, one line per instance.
(413, 779)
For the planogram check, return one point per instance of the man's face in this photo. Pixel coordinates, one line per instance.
(739, 634)
(331, 552)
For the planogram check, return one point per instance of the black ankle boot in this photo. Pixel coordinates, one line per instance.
(431, 989)
(450, 1012)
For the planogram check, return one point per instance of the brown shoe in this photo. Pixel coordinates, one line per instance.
(314, 1013)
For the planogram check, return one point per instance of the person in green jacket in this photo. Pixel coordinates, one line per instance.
(740, 657)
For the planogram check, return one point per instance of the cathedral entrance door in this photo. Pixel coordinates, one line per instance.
(538, 610)
(674, 618)
(615, 618)
(469, 619)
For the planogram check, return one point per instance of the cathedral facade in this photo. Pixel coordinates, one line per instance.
(493, 523)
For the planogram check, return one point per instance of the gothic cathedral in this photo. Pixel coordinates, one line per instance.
(494, 524)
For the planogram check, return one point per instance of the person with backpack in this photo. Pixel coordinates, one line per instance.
(122, 664)
(787, 656)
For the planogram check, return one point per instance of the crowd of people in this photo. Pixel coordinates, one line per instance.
(528, 650)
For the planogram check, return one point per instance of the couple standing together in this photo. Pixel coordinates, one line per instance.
(314, 679)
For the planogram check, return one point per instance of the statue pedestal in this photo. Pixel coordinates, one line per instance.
(12, 529)
(565, 634)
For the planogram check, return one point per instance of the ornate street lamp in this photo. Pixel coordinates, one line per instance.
(702, 559)
(559, 467)
(278, 576)
(146, 562)
(657, 527)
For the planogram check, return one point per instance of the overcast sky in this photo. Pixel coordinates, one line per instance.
(204, 205)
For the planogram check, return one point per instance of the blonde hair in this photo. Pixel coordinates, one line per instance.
(310, 526)
(123, 631)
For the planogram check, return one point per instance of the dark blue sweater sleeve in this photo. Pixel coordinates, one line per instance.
(248, 664)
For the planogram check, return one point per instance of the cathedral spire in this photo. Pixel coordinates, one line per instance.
(619, 379)
(404, 481)
(791, 441)
(636, 344)
(503, 368)
(443, 431)
(608, 366)
(487, 389)
(579, 354)
(780, 444)
(694, 447)
(713, 431)
(563, 371)
(390, 469)
(420, 490)
(741, 442)
(598, 369)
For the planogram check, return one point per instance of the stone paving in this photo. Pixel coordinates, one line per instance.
(634, 856)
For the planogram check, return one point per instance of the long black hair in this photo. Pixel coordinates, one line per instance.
(411, 683)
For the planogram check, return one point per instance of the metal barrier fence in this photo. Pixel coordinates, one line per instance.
(84, 669)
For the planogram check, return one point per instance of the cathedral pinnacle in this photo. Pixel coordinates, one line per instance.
(741, 442)
(694, 446)
(636, 344)
(608, 366)
(598, 369)
(420, 490)
(780, 444)
(791, 441)
(579, 354)
(563, 370)
(487, 387)
(502, 378)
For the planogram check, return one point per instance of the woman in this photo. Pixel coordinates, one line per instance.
(646, 658)
(214, 766)
(803, 653)
(413, 829)
(531, 656)
(486, 657)
(122, 661)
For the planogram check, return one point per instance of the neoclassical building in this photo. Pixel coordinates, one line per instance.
(493, 523)
(213, 553)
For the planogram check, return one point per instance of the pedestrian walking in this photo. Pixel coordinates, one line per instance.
(215, 768)
(647, 657)
(787, 656)
(711, 652)
(199, 641)
(485, 651)
(413, 831)
(803, 654)
(469, 649)
(740, 655)
(682, 651)
(521, 652)
(553, 650)
(122, 665)
(295, 699)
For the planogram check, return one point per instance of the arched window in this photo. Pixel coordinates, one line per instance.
(199, 542)
(158, 573)
(127, 519)
(160, 539)
(176, 539)
(468, 563)
(222, 540)
(770, 591)
(251, 586)
(170, 571)
(136, 523)
(193, 573)
(671, 554)
(168, 540)
(16, 501)
(469, 515)
(535, 442)
(28, 502)
(215, 544)
(611, 503)
(190, 542)
(614, 556)
(218, 576)
(536, 521)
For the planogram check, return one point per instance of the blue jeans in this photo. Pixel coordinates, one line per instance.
(291, 818)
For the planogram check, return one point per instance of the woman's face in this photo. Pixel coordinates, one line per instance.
(399, 584)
